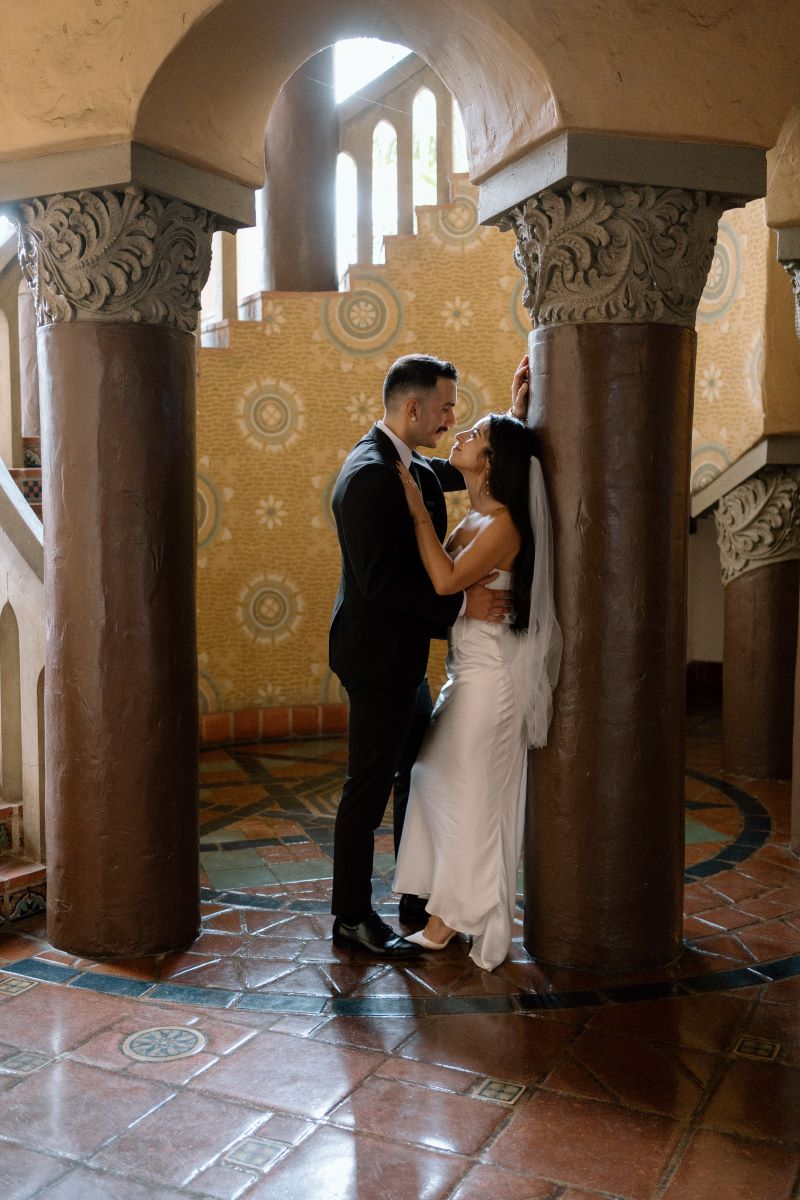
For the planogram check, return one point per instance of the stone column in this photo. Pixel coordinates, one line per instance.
(789, 254)
(116, 277)
(614, 275)
(299, 196)
(758, 529)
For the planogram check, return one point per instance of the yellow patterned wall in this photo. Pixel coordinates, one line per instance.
(729, 387)
(296, 386)
(282, 404)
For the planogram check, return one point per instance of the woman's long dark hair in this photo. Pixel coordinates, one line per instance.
(511, 446)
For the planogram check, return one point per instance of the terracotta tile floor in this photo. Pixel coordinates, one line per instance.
(262, 1062)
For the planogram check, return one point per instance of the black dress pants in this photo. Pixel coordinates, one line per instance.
(385, 730)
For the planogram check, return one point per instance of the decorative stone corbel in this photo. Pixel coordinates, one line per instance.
(793, 270)
(758, 522)
(115, 255)
(602, 252)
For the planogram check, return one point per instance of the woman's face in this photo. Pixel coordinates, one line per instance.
(470, 450)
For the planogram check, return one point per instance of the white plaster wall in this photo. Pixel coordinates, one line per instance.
(21, 576)
(705, 595)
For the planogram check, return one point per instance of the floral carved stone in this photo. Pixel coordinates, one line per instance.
(758, 522)
(793, 270)
(597, 252)
(123, 255)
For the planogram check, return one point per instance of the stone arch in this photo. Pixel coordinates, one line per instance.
(6, 390)
(210, 98)
(10, 707)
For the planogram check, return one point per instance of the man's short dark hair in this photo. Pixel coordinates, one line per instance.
(415, 372)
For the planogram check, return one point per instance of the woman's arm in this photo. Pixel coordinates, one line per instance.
(496, 541)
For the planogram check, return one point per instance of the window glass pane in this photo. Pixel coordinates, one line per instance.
(346, 216)
(357, 61)
(423, 126)
(384, 187)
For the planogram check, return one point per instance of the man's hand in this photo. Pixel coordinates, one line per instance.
(520, 391)
(485, 603)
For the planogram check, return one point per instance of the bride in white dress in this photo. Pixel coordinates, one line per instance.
(463, 828)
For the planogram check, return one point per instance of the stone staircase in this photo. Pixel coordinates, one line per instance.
(22, 881)
(28, 478)
(22, 873)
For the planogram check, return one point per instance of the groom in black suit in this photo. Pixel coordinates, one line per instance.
(385, 613)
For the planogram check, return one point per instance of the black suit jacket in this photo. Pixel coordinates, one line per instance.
(386, 610)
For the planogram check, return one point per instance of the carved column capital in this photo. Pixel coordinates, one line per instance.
(758, 522)
(792, 268)
(614, 253)
(115, 255)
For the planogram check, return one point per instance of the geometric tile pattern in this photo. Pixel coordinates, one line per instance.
(12, 987)
(498, 1090)
(316, 1073)
(255, 1152)
(267, 823)
(757, 1048)
(24, 1062)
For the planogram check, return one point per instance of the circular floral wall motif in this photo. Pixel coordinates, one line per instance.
(708, 461)
(473, 402)
(209, 511)
(722, 285)
(270, 609)
(271, 415)
(365, 320)
(455, 226)
(326, 501)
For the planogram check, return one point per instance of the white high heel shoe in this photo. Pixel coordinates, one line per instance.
(419, 939)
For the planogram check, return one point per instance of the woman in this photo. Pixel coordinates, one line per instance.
(463, 829)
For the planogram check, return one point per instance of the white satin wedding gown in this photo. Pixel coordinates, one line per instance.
(463, 828)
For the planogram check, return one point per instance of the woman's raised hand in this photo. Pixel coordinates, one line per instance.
(414, 499)
(519, 391)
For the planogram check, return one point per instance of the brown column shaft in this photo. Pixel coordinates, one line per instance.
(758, 680)
(604, 845)
(299, 196)
(795, 818)
(121, 667)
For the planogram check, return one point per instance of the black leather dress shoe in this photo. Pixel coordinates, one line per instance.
(375, 937)
(412, 912)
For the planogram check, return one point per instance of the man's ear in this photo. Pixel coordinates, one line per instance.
(412, 407)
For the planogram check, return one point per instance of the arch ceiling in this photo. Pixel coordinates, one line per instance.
(197, 80)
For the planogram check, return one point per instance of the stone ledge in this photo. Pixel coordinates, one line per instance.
(260, 724)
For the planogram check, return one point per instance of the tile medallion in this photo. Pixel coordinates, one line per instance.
(499, 1091)
(757, 1048)
(163, 1042)
(258, 1153)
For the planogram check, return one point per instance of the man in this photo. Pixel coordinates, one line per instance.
(384, 616)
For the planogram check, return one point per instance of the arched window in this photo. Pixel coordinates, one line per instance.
(346, 216)
(5, 379)
(460, 161)
(10, 707)
(384, 187)
(250, 257)
(423, 132)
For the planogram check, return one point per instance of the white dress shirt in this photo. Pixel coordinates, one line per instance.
(402, 449)
(405, 457)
